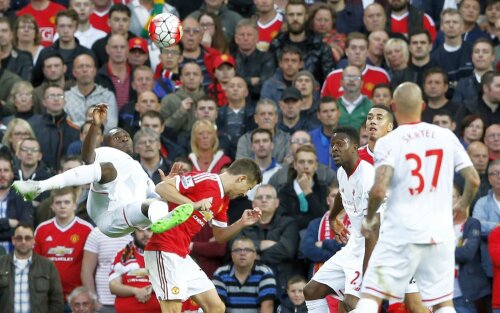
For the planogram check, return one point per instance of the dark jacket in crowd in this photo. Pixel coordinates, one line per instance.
(316, 200)
(68, 58)
(468, 88)
(471, 277)
(55, 134)
(17, 209)
(316, 54)
(478, 106)
(21, 63)
(45, 288)
(248, 123)
(412, 73)
(7, 81)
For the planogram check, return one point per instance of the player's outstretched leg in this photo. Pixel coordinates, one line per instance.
(160, 222)
(315, 293)
(80, 175)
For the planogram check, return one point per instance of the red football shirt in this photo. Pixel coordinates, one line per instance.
(129, 265)
(366, 155)
(100, 21)
(399, 24)
(268, 31)
(45, 19)
(372, 75)
(64, 246)
(196, 186)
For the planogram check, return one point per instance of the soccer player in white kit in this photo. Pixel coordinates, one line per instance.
(122, 197)
(341, 275)
(415, 163)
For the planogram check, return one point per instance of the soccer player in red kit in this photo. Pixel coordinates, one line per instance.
(62, 238)
(174, 275)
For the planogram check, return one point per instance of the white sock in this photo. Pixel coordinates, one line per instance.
(367, 306)
(157, 210)
(446, 309)
(80, 175)
(317, 306)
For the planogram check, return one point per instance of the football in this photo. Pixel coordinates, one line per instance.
(165, 30)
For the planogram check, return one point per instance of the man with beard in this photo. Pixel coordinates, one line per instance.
(13, 209)
(317, 55)
(405, 19)
(128, 279)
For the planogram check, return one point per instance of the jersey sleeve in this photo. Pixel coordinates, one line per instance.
(92, 243)
(384, 154)
(38, 242)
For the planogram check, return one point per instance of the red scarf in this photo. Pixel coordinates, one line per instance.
(324, 232)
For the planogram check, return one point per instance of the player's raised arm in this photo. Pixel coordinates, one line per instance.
(471, 186)
(99, 116)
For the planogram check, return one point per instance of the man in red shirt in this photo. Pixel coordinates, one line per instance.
(44, 12)
(405, 18)
(62, 238)
(174, 275)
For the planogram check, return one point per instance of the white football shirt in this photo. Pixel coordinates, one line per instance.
(424, 158)
(354, 190)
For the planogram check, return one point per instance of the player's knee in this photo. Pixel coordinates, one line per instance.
(108, 172)
(350, 303)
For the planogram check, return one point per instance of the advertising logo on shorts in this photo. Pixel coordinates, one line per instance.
(175, 290)
(47, 33)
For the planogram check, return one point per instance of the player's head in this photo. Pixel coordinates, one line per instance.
(120, 139)
(344, 145)
(295, 289)
(407, 102)
(379, 122)
(246, 174)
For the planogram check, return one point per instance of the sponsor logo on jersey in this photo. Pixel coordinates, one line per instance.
(60, 251)
(187, 181)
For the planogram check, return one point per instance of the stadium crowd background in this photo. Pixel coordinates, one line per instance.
(265, 79)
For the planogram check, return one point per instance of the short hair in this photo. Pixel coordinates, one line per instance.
(296, 2)
(153, 114)
(266, 101)
(305, 148)
(179, 44)
(419, 31)
(244, 239)
(327, 99)
(63, 191)
(387, 109)
(261, 131)
(205, 98)
(248, 167)
(488, 78)
(444, 112)
(79, 290)
(5, 156)
(69, 13)
(436, 70)
(295, 279)
(382, 86)
(246, 22)
(119, 7)
(451, 11)
(486, 41)
(29, 138)
(26, 18)
(24, 224)
(353, 36)
(196, 127)
(291, 49)
(349, 131)
(490, 3)
(5, 20)
(397, 42)
(145, 132)
(69, 158)
(143, 68)
(50, 55)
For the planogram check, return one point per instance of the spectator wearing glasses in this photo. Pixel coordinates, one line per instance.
(58, 131)
(256, 279)
(82, 300)
(32, 283)
(20, 104)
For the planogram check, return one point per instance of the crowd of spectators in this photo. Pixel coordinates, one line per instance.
(264, 79)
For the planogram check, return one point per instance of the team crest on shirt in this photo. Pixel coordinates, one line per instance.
(187, 181)
(74, 238)
(175, 290)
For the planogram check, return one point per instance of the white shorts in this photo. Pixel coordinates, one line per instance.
(343, 273)
(118, 222)
(392, 266)
(174, 277)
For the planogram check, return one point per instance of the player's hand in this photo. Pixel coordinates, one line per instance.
(142, 294)
(176, 169)
(340, 231)
(186, 104)
(100, 114)
(370, 226)
(203, 205)
(251, 217)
